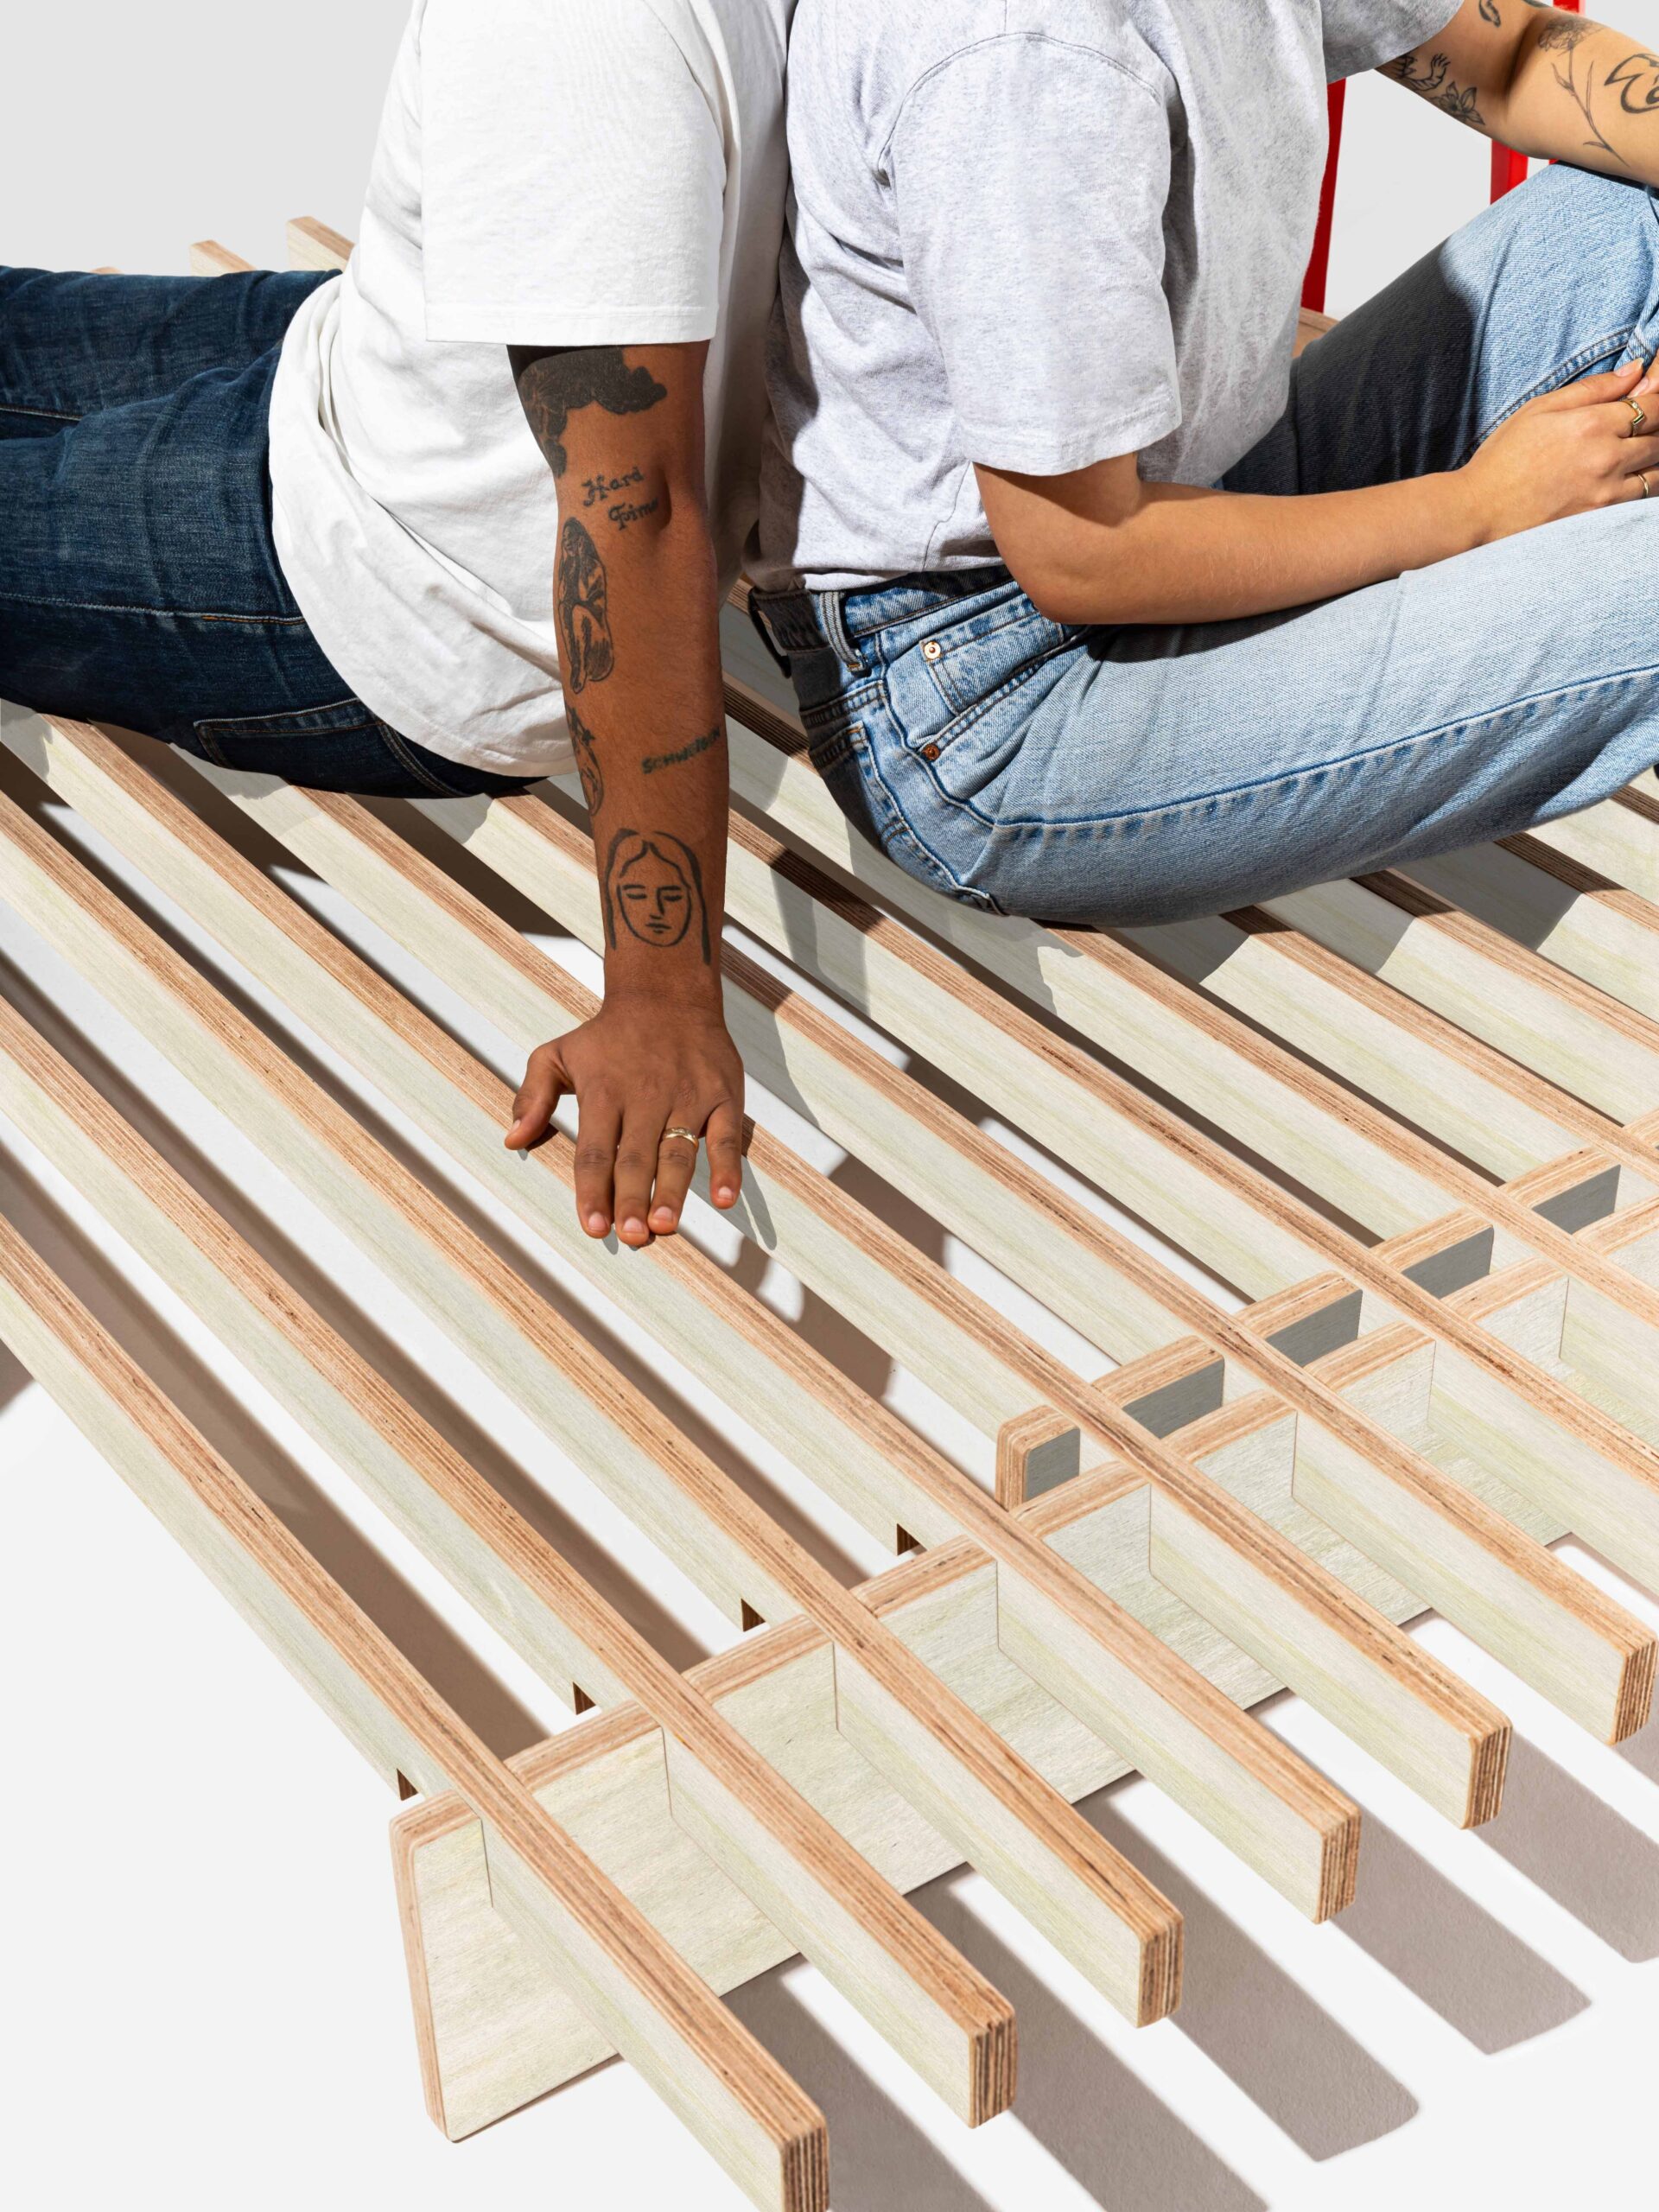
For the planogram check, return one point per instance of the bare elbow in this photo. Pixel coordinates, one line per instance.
(1063, 591)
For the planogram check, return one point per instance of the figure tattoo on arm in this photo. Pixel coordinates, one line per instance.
(582, 606)
(653, 891)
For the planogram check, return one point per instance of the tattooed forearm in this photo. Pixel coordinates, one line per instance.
(582, 602)
(1434, 84)
(554, 381)
(653, 891)
(653, 761)
(587, 752)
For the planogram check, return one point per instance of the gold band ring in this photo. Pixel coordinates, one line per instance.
(1647, 488)
(690, 1135)
(1639, 417)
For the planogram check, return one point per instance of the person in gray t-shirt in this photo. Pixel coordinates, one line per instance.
(1064, 643)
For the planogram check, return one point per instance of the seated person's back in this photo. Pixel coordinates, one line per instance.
(414, 518)
(1028, 234)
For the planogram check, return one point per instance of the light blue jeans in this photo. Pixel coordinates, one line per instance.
(1127, 775)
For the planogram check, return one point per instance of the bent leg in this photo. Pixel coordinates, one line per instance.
(1121, 781)
(71, 344)
(1556, 281)
(1160, 772)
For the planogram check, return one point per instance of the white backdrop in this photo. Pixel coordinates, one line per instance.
(128, 131)
(201, 1993)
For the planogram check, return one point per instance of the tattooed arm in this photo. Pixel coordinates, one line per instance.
(636, 606)
(1547, 83)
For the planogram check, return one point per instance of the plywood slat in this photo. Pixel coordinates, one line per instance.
(1105, 1128)
(704, 2065)
(935, 2009)
(1002, 1817)
(492, 968)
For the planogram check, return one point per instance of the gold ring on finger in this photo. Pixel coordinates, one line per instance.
(690, 1135)
(1642, 479)
(1639, 417)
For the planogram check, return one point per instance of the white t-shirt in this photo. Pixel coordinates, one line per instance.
(548, 173)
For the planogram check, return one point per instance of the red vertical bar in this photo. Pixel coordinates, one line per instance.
(1508, 168)
(1318, 261)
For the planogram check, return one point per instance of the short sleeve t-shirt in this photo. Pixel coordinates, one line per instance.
(1034, 234)
(548, 173)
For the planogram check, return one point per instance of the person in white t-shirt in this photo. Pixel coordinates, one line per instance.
(462, 516)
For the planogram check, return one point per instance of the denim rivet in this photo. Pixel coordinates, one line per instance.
(930, 753)
(932, 650)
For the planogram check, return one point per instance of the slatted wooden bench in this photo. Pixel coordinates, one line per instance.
(1405, 1127)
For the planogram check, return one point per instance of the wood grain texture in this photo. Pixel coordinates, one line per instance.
(312, 245)
(209, 258)
(935, 2010)
(633, 1987)
(1027, 1839)
(1105, 1128)
(493, 969)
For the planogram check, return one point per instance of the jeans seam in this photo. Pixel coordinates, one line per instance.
(1610, 341)
(210, 747)
(156, 613)
(966, 718)
(1462, 727)
(46, 414)
(402, 752)
(867, 754)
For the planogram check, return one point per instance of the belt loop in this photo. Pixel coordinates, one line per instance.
(832, 621)
(762, 630)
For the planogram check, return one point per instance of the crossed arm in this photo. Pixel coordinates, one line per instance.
(1098, 545)
(636, 607)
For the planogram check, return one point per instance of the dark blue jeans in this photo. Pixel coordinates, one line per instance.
(138, 582)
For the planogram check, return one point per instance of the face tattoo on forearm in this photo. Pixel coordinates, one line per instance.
(653, 891)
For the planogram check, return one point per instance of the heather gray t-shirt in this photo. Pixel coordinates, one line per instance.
(1035, 233)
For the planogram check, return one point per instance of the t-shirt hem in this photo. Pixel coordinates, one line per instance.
(1029, 456)
(1348, 52)
(482, 323)
(381, 694)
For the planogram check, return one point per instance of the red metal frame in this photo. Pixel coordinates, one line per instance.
(1509, 169)
(1319, 260)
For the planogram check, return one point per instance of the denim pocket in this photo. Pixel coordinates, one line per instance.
(338, 747)
(969, 662)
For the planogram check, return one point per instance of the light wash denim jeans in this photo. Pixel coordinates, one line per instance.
(1131, 775)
